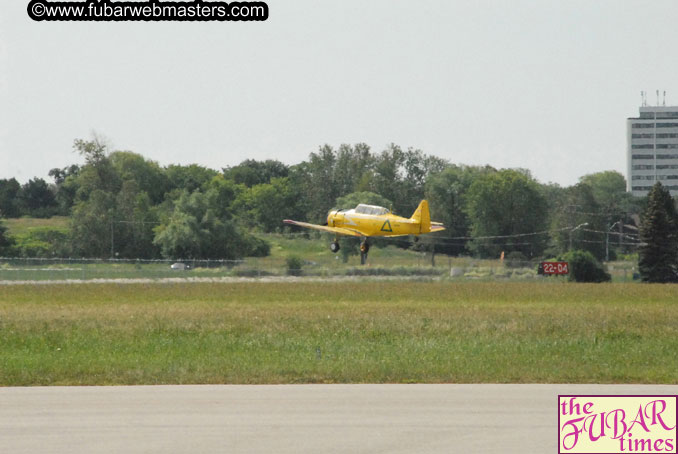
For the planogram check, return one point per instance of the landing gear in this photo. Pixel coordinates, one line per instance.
(364, 249)
(334, 246)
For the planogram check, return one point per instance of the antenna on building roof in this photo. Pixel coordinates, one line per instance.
(664, 100)
(643, 98)
(657, 98)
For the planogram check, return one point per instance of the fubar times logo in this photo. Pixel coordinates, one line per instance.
(605, 424)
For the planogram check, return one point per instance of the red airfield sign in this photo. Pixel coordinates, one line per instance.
(555, 267)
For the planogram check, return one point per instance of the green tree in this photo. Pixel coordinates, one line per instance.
(36, 199)
(416, 169)
(98, 173)
(9, 188)
(251, 172)
(147, 175)
(616, 205)
(133, 223)
(189, 178)
(354, 168)
(194, 231)
(401, 176)
(222, 195)
(6, 242)
(388, 177)
(609, 190)
(658, 253)
(352, 200)
(577, 222)
(113, 214)
(509, 204)
(66, 184)
(266, 205)
(446, 192)
(92, 224)
(321, 188)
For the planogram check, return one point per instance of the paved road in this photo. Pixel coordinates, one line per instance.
(289, 418)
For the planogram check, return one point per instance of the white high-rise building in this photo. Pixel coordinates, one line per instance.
(652, 149)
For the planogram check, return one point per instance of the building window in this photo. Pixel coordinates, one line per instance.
(643, 156)
(667, 166)
(666, 136)
(643, 136)
(668, 177)
(666, 115)
(642, 167)
(643, 125)
(647, 146)
(667, 125)
(642, 177)
(667, 156)
(647, 115)
(667, 145)
(641, 188)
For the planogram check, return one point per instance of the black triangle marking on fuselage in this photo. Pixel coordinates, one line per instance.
(387, 223)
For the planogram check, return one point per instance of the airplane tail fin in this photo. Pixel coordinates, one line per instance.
(422, 216)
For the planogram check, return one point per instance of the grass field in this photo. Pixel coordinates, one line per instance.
(19, 226)
(363, 332)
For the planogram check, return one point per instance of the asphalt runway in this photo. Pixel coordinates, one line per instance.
(289, 418)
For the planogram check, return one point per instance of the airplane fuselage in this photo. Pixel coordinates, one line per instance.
(373, 225)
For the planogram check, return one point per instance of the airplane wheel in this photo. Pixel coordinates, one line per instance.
(416, 239)
(334, 247)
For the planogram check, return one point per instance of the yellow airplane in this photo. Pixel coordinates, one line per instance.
(366, 221)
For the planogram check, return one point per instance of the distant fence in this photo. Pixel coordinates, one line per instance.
(444, 267)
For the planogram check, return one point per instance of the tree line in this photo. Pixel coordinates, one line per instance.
(123, 205)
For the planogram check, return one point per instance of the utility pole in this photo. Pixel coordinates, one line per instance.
(571, 219)
(607, 241)
(572, 231)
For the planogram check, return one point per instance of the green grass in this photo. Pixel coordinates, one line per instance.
(20, 226)
(362, 332)
(50, 270)
(316, 251)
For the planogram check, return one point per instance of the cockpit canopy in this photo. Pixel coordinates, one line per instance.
(371, 209)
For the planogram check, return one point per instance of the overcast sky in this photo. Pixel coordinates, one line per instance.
(543, 85)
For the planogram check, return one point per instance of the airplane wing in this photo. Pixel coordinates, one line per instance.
(339, 230)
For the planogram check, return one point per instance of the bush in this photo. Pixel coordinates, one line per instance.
(584, 267)
(42, 242)
(294, 265)
(256, 247)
